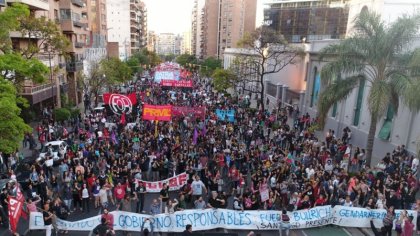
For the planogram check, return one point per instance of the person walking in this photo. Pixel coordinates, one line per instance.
(140, 192)
(48, 219)
(284, 224)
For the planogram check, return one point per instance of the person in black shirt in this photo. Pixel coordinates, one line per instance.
(164, 193)
(215, 201)
(102, 229)
(46, 213)
(140, 191)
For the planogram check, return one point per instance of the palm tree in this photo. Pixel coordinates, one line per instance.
(379, 55)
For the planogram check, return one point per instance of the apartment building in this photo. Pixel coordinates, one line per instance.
(220, 24)
(127, 20)
(186, 43)
(75, 26)
(48, 93)
(165, 44)
(151, 41)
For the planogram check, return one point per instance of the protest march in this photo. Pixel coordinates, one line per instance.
(171, 132)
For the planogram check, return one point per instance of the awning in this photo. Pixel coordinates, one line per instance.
(385, 131)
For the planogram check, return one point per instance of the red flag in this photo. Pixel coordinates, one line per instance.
(15, 210)
(114, 98)
(21, 198)
(122, 121)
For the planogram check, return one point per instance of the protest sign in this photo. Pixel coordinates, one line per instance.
(198, 112)
(162, 113)
(223, 115)
(229, 219)
(175, 83)
(174, 183)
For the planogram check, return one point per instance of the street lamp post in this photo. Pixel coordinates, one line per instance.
(52, 83)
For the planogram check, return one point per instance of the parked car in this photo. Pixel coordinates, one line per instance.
(54, 152)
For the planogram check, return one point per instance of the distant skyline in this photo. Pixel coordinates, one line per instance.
(174, 16)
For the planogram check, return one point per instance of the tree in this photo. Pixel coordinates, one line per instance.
(134, 64)
(375, 55)
(44, 35)
(223, 80)
(16, 68)
(186, 59)
(12, 127)
(115, 71)
(10, 20)
(266, 52)
(209, 65)
(41, 33)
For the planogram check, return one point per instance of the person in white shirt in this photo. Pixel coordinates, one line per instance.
(197, 187)
(85, 198)
(348, 202)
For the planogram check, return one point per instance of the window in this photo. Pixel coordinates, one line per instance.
(359, 101)
(385, 132)
(65, 14)
(316, 86)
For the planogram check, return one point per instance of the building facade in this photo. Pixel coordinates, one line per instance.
(186, 43)
(151, 41)
(165, 44)
(308, 20)
(220, 24)
(127, 20)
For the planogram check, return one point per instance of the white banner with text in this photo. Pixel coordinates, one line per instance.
(229, 219)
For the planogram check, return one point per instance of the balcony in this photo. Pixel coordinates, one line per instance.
(69, 25)
(77, 23)
(33, 4)
(74, 66)
(78, 3)
(79, 44)
(39, 93)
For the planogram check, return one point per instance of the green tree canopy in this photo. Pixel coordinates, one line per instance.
(16, 68)
(12, 127)
(209, 65)
(186, 59)
(223, 79)
(10, 20)
(377, 53)
(115, 71)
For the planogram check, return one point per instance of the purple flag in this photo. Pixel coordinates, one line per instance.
(204, 130)
(114, 138)
(195, 137)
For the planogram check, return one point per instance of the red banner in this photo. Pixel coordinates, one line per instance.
(174, 183)
(175, 83)
(120, 103)
(163, 113)
(199, 112)
(15, 210)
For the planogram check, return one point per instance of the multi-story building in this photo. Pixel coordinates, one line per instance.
(178, 44)
(308, 20)
(75, 26)
(196, 27)
(127, 21)
(96, 45)
(48, 93)
(165, 44)
(151, 41)
(220, 24)
(186, 43)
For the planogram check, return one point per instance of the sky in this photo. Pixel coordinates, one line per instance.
(174, 16)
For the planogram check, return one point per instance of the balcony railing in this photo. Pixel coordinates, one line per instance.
(74, 66)
(36, 89)
(78, 3)
(77, 23)
(79, 44)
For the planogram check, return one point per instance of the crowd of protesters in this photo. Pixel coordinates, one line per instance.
(106, 161)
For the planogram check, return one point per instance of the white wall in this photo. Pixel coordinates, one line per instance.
(118, 19)
(405, 129)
